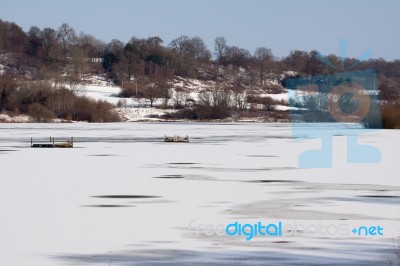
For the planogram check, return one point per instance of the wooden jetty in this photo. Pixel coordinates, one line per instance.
(53, 144)
(176, 138)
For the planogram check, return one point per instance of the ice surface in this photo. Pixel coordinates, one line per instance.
(122, 195)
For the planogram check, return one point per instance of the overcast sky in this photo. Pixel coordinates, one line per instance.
(282, 25)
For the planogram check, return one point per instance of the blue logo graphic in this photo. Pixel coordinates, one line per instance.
(252, 230)
(368, 231)
(249, 231)
(340, 104)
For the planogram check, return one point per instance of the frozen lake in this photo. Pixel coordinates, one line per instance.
(122, 196)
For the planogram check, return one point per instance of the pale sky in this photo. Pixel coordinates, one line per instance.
(281, 25)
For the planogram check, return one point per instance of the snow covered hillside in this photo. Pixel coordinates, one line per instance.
(138, 109)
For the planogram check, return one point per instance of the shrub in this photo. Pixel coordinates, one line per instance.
(86, 109)
(103, 113)
(267, 102)
(40, 113)
(129, 89)
(201, 112)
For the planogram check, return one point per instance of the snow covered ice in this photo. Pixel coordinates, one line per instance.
(122, 195)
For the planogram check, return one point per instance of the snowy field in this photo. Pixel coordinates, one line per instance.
(122, 196)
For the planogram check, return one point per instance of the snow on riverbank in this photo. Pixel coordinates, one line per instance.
(132, 109)
(142, 114)
(14, 119)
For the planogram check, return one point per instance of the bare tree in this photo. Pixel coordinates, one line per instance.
(190, 53)
(206, 97)
(154, 42)
(240, 98)
(238, 57)
(79, 61)
(151, 93)
(296, 60)
(74, 83)
(268, 103)
(264, 59)
(179, 97)
(163, 90)
(221, 96)
(225, 98)
(50, 46)
(180, 44)
(221, 48)
(67, 37)
(198, 49)
(34, 41)
(166, 95)
(156, 90)
(92, 47)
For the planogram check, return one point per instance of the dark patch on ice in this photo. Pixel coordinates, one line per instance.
(213, 168)
(380, 196)
(196, 167)
(125, 196)
(160, 242)
(306, 188)
(5, 151)
(295, 231)
(272, 181)
(170, 176)
(221, 169)
(182, 163)
(103, 155)
(152, 202)
(262, 156)
(266, 169)
(107, 206)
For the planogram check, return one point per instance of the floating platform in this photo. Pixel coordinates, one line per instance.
(176, 138)
(53, 144)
